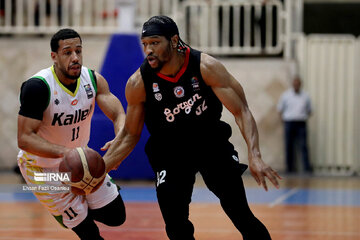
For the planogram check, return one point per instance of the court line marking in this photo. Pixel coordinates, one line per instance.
(283, 197)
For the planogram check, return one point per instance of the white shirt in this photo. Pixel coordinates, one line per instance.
(67, 119)
(294, 106)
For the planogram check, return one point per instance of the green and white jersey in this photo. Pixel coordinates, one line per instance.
(67, 118)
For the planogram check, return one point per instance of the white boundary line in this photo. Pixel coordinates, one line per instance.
(283, 197)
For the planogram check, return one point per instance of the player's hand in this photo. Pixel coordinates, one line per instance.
(259, 170)
(107, 145)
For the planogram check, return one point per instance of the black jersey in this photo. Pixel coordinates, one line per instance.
(182, 105)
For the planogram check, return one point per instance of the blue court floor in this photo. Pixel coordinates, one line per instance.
(294, 195)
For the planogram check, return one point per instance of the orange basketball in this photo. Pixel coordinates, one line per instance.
(87, 169)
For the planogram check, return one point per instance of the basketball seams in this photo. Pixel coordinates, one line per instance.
(85, 164)
(89, 185)
(87, 174)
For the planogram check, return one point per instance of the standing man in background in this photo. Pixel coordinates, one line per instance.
(179, 93)
(57, 105)
(295, 109)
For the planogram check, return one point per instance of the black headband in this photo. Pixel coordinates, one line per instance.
(166, 30)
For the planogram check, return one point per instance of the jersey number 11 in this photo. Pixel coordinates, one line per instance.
(75, 133)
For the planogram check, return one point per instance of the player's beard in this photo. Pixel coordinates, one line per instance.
(73, 76)
(159, 66)
(165, 58)
(67, 75)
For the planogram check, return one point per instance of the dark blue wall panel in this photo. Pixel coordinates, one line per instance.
(123, 57)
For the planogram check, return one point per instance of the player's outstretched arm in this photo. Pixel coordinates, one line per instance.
(128, 137)
(231, 94)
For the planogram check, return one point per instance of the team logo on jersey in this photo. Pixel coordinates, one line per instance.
(186, 107)
(235, 158)
(179, 91)
(195, 83)
(74, 102)
(88, 91)
(57, 101)
(63, 118)
(156, 87)
(158, 96)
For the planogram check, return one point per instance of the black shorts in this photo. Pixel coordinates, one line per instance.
(187, 157)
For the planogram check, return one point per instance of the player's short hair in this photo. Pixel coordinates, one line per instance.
(62, 34)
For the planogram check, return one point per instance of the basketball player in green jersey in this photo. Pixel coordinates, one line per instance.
(57, 105)
(179, 93)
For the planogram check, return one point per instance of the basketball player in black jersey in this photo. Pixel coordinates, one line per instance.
(179, 93)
